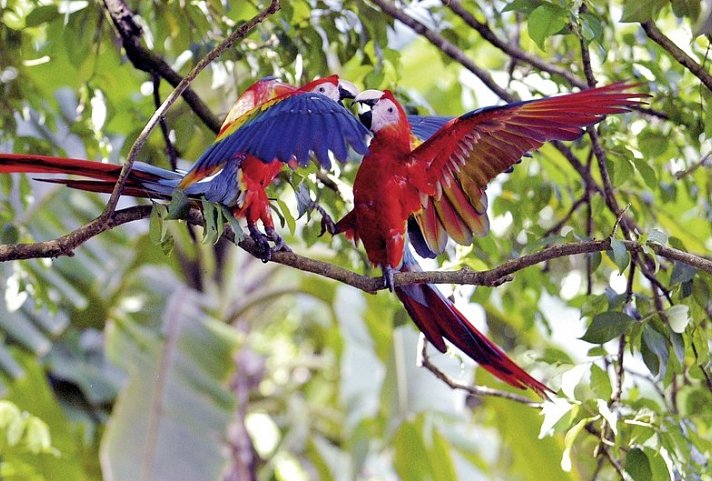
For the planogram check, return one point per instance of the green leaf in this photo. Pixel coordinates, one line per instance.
(179, 205)
(411, 456)
(546, 20)
(569, 443)
(637, 465)
(682, 273)
(233, 223)
(655, 351)
(656, 235)
(607, 326)
(177, 390)
(646, 172)
(679, 317)
(287, 216)
(642, 10)
(41, 14)
(156, 225)
(687, 8)
(523, 6)
(620, 254)
(213, 222)
(591, 27)
(601, 382)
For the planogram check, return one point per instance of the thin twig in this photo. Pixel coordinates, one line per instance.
(445, 46)
(239, 33)
(511, 49)
(677, 53)
(480, 391)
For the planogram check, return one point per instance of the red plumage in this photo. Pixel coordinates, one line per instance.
(440, 184)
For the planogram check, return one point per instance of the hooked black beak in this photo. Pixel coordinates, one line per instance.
(365, 118)
(366, 100)
(347, 90)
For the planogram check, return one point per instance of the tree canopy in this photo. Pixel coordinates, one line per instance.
(137, 346)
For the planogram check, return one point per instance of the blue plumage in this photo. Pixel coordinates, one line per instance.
(295, 127)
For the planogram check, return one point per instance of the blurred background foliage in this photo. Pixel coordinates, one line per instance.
(124, 362)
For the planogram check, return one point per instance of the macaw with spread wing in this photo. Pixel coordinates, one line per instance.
(270, 124)
(261, 133)
(437, 189)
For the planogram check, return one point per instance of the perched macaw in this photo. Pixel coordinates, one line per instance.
(269, 118)
(246, 155)
(439, 185)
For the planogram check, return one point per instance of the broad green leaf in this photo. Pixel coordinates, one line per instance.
(607, 326)
(591, 27)
(546, 20)
(179, 206)
(410, 453)
(679, 317)
(569, 443)
(637, 465)
(656, 235)
(177, 390)
(687, 8)
(620, 254)
(655, 351)
(287, 216)
(523, 6)
(601, 382)
(641, 11)
(646, 172)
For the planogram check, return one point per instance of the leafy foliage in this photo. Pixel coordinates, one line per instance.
(163, 355)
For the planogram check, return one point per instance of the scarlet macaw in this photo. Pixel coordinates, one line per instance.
(440, 184)
(237, 168)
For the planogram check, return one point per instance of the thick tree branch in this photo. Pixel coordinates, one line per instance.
(677, 53)
(65, 245)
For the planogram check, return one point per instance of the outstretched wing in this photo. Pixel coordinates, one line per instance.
(459, 161)
(290, 128)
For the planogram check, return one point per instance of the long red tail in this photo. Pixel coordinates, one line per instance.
(45, 164)
(144, 180)
(439, 319)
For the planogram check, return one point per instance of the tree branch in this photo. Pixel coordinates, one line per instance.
(677, 53)
(65, 245)
(446, 47)
(147, 61)
(239, 33)
(512, 50)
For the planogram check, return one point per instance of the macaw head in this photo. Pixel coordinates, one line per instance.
(335, 88)
(379, 110)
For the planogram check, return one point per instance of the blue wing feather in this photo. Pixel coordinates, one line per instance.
(424, 127)
(293, 128)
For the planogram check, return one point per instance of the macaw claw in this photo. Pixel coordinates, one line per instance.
(327, 223)
(279, 244)
(388, 279)
(265, 250)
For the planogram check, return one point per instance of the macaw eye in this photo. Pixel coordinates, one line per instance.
(322, 89)
(390, 110)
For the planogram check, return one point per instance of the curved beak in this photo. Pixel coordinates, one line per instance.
(347, 90)
(366, 100)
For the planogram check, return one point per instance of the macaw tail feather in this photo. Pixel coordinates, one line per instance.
(439, 319)
(144, 180)
(45, 164)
